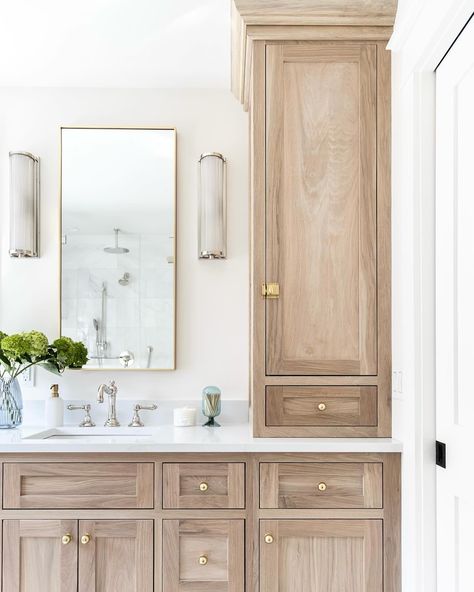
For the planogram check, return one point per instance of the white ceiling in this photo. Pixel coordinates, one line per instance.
(115, 43)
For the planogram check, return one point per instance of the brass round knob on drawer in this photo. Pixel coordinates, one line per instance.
(322, 406)
(203, 560)
(203, 486)
(66, 539)
(268, 539)
(322, 486)
(85, 538)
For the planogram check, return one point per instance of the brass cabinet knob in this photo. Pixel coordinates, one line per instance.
(203, 486)
(322, 406)
(322, 486)
(203, 560)
(268, 539)
(85, 538)
(66, 539)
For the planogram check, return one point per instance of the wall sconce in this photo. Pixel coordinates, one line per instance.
(24, 205)
(212, 206)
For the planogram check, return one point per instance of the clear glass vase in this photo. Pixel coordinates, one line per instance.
(11, 403)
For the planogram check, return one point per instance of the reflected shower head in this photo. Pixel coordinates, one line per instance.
(116, 250)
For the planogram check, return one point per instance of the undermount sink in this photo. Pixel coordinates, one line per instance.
(94, 434)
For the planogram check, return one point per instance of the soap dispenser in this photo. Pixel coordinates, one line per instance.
(54, 409)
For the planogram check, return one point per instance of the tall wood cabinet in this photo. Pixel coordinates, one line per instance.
(318, 92)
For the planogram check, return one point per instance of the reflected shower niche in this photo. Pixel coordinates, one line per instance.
(118, 236)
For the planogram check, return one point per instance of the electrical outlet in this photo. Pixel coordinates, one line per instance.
(28, 378)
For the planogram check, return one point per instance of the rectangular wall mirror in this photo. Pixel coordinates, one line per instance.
(118, 235)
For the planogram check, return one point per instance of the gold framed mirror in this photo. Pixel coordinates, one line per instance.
(118, 245)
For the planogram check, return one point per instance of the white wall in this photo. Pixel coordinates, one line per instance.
(212, 311)
(423, 33)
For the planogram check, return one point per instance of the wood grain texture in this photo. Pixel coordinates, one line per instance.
(257, 238)
(118, 558)
(321, 405)
(384, 226)
(321, 205)
(225, 485)
(295, 485)
(392, 523)
(250, 517)
(294, 20)
(78, 485)
(220, 541)
(338, 555)
(307, 12)
(34, 558)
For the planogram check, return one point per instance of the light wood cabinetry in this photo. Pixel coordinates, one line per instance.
(77, 485)
(115, 556)
(320, 223)
(321, 556)
(334, 516)
(203, 555)
(321, 406)
(319, 100)
(39, 556)
(321, 485)
(204, 485)
(86, 555)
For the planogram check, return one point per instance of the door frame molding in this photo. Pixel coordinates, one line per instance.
(419, 43)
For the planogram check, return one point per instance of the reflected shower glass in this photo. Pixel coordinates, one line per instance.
(118, 195)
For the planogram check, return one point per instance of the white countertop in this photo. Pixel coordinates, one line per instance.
(167, 438)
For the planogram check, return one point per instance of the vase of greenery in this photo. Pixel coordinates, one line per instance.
(21, 351)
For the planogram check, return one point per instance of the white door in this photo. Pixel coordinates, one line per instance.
(455, 313)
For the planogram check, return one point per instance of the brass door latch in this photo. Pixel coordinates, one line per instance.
(271, 290)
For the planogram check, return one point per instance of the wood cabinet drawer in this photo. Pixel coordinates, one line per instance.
(78, 485)
(203, 485)
(321, 405)
(321, 485)
(203, 555)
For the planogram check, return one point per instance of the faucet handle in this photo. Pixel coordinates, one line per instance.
(136, 420)
(87, 421)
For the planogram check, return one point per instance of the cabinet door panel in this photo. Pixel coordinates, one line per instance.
(321, 209)
(118, 557)
(218, 543)
(330, 555)
(35, 558)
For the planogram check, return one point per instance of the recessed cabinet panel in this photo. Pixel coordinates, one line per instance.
(116, 556)
(321, 485)
(203, 485)
(321, 209)
(40, 556)
(321, 406)
(203, 555)
(78, 485)
(321, 556)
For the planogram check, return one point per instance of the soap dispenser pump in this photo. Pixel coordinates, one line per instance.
(54, 409)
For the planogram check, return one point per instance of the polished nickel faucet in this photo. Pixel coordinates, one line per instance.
(110, 390)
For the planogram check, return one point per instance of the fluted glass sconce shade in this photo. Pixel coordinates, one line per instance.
(24, 205)
(212, 206)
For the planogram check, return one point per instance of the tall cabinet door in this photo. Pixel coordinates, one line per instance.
(116, 556)
(320, 235)
(321, 556)
(39, 555)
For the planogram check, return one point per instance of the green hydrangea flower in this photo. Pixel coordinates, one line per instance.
(21, 346)
(70, 354)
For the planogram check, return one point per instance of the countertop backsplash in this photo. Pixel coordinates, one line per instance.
(233, 412)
